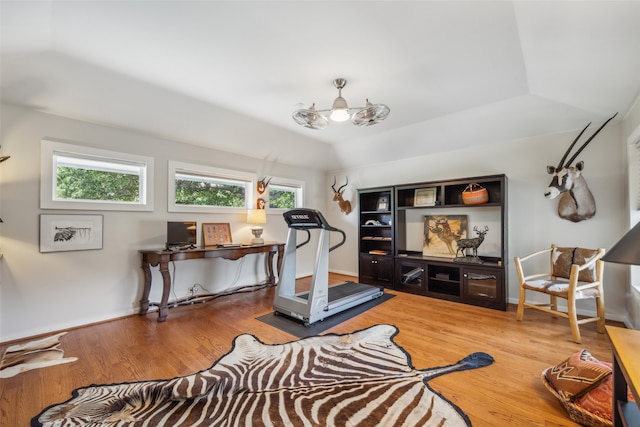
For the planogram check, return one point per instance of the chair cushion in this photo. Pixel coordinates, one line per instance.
(577, 374)
(563, 258)
(559, 288)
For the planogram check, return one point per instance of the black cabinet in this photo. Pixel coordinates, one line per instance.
(393, 240)
(480, 281)
(376, 236)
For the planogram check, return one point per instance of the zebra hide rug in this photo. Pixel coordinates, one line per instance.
(357, 379)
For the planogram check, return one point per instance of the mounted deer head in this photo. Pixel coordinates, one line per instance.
(345, 205)
(263, 183)
(576, 203)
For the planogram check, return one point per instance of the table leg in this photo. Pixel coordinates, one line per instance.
(619, 393)
(144, 301)
(163, 311)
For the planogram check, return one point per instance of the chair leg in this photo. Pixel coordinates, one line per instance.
(573, 320)
(553, 304)
(600, 312)
(520, 311)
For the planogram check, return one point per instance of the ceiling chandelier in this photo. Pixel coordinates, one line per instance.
(368, 115)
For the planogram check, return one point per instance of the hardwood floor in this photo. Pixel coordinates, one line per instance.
(433, 332)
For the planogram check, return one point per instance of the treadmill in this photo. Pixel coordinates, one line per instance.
(322, 300)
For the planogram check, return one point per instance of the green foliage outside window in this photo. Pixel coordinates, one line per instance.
(87, 184)
(200, 193)
(279, 199)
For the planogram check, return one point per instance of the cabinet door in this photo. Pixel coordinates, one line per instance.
(384, 265)
(484, 286)
(411, 276)
(375, 270)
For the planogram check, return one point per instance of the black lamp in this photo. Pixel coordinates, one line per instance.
(627, 250)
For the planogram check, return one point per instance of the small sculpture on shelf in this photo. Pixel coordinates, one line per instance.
(463, 246)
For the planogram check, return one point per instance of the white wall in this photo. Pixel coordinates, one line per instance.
(533, 220)
(52, 291)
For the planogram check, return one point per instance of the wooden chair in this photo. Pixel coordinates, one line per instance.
(575, 273)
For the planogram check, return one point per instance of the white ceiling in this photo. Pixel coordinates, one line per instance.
(454, 73)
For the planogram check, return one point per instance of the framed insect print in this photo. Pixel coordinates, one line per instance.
(214, 234)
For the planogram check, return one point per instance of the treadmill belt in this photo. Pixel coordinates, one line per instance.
(342, 290)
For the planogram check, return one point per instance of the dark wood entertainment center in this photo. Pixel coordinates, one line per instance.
(392, 237)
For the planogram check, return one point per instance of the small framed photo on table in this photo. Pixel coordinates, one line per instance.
(215, 234)
(425, 197)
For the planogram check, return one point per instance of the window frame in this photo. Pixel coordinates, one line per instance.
(286, 182)
(176, 167)
(48, 184)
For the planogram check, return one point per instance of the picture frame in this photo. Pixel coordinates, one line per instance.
(70, 232)
(424, 197)
(383, 203)
(441, 232)
(216, 233)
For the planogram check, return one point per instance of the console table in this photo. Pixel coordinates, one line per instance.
(626, 372)
(161, 258)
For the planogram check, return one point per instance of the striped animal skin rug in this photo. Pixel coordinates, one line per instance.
(358, 379)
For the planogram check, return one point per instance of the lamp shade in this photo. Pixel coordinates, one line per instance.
(256, 216)
(627, 250)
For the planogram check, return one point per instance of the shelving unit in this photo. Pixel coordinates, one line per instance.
(392, 240)
(376, 236)
(482, 284)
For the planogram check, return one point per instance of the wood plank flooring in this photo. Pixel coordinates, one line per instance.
(433, 332)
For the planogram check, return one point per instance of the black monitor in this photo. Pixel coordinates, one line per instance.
(181, 234)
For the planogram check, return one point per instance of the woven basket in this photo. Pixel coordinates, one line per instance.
(576, 413)
(475, 194)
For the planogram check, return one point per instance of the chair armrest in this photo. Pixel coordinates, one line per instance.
(536, 276)
(524, 258)
(590, 263)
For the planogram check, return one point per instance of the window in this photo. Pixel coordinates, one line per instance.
(197, 188)
(285, 194)
(78, 177)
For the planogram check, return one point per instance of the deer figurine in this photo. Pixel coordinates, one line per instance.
(465, 244)
(576, 203)
(345, 205)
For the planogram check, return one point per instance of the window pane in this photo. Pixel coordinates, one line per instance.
(83, 178)
(282, 197)
(73, 176)
(201, 190)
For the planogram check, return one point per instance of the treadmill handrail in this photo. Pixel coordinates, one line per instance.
(306, 241)
(305, 218)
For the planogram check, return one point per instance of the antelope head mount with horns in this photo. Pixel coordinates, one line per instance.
(576, 203)
(263, 183)
(345, 205)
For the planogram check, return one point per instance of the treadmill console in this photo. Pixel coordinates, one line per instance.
(306, 218)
